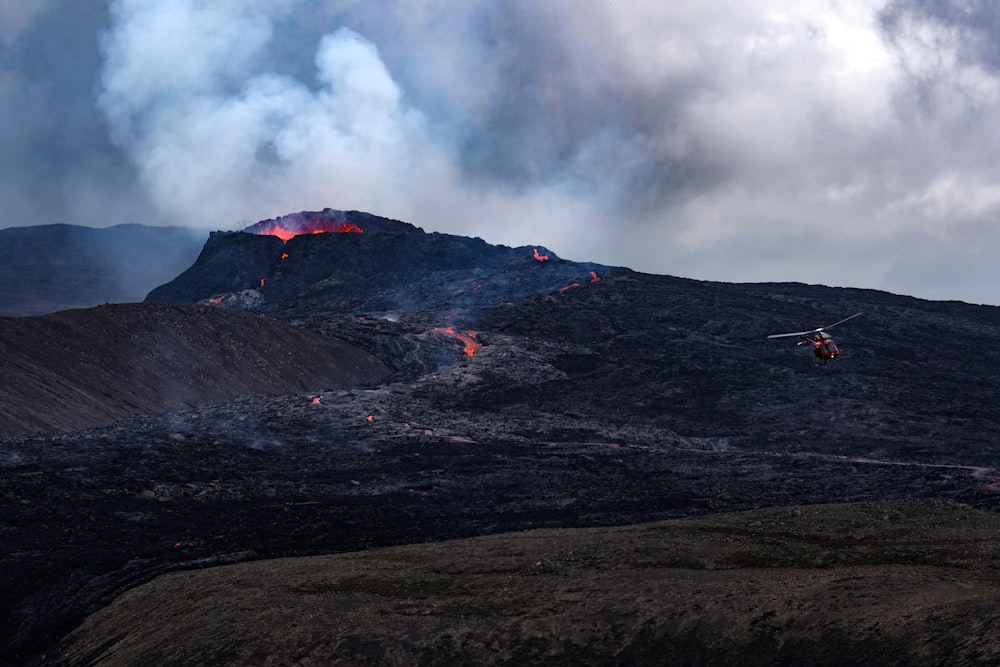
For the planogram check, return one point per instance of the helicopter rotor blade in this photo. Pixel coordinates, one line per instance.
(797, 333)
(840, 322)
(817, 330)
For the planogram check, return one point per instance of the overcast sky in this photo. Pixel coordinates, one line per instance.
(844, 142)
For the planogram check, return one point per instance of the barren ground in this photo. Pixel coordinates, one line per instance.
(886, 583)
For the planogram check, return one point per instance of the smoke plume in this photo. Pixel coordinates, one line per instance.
(822, 141)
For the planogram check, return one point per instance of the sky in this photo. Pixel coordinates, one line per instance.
(842, 142)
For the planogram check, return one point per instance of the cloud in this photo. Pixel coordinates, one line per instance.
(16, 15)
(826, 141)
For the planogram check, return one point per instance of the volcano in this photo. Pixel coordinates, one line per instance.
(521, 393)
(340, 262)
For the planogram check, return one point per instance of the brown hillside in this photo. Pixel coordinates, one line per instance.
(81, 368)
(885, 583)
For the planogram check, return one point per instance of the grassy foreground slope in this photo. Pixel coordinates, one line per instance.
(886, 583)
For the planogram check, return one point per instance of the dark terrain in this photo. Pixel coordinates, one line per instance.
(46, 268)
(88, 367)
(523, 393)
(886, 583)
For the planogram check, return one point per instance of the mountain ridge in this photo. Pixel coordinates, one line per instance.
(46, 268)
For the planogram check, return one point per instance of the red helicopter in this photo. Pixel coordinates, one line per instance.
(824, 348)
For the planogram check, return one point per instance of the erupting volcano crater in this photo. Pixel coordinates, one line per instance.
(327, 221)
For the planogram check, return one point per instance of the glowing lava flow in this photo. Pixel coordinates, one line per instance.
(468, 338)
(594, 278)
(216, 300)
(288, 227)
(541, 258)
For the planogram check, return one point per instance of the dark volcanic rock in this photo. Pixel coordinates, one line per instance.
(917, 378)
(80, 368)
(598, 396)
(53, 267)
(450, 454)
(234, 262)
(397, 271)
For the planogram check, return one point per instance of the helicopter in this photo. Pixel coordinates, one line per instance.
(824, 348)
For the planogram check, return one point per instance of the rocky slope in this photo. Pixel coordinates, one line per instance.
(87, 367)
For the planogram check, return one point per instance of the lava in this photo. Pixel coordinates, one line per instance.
(216, 300)
(594, 278)
(284, 256)
(291, 226)
(262, 280)
(468, 338)
(541, 258)
(317, 400)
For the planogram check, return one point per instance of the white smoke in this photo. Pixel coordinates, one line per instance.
(221, 140)
(760, 140)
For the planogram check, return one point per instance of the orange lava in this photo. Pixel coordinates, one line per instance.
(570, 286)
(468, 338)
(594, 278)
(285, 229)
(262, 281)
(216, 300)
(317, 400)
(541, 258)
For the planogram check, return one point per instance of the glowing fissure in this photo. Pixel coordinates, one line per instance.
(216, 300)
(594, 278)
(286, 228)
(540, 258)
(468, 338)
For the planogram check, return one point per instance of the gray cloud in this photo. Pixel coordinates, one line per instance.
(58, 162)
(848, 143)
